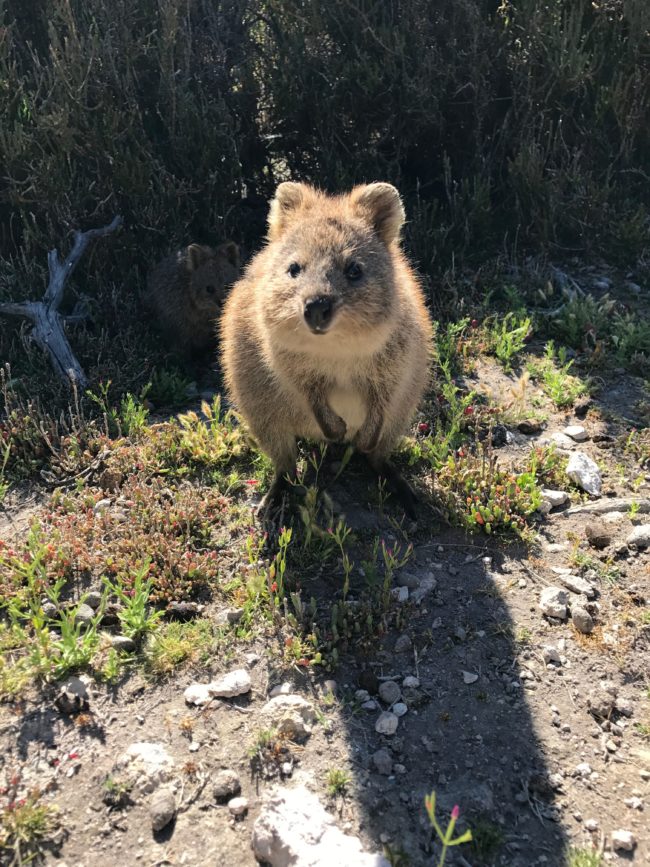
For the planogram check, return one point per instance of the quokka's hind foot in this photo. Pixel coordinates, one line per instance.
(398, 485)
(272, 509)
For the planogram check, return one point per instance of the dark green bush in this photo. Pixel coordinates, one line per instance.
(519, 122)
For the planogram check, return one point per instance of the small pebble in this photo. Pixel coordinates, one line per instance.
(389, 691)
(582, 620)
(387, 723)
(238, 806)
(403, 644)
(623, 840)
(162, 808)
(576, 432)
(382, 762)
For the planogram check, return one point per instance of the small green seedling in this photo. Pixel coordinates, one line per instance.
(446, 837)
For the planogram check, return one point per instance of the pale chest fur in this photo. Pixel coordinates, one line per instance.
(344, 395)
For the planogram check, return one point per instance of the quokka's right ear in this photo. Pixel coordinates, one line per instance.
(197, 256)
(290, 198)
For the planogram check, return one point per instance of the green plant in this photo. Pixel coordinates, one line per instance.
(4, 484)
(213, 442)
(278, 568)
(168, 387)
(456, 413)
(25, 825)
(563, 388)
(446, 837)
(508, 337)
(582, 319)
(631, 340)
(263, 739)
(50, 646)
(175, 644)
(486, 840)
(483, 496)
(337, 781)
(135, 614)
(583, 858)
(117, 793)
(133, 414)
(340, 535)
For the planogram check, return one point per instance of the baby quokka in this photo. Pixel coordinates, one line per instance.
(327, 336)
(186, 293)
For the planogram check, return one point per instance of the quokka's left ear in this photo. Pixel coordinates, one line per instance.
(380, 204)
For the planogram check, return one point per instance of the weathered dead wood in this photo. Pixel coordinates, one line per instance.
(48, 329)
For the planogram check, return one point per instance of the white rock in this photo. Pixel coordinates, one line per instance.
(294, 829)
(281, 689)
(550, 654)
(584, 472)
(591, 824)
(582, 619)
(555, 498)
(640, 536)
(624, 706)
(427, 585)
(387, 723)
(553, 602)
(238, 806)
(624, 840)
(411, 682)
(292, 715)
(162, 808)
(576, 584)
(146, 766)
(399, 708)
(198, 694)
(562, 441)
(576, 432)
(634, 803)
(583, 769)
(401, 594)
(469, 677)
(613, 517)
(236, 682)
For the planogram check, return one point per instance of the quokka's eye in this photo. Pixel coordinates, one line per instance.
(210, 289)
(294, 269)
(354, 271)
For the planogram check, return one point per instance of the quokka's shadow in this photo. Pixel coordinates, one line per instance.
(468, 732)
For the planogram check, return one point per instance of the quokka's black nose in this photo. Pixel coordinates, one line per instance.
(318, 313)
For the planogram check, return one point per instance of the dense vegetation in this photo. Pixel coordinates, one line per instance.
(514, 125)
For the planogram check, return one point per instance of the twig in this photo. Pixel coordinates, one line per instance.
(48, 324)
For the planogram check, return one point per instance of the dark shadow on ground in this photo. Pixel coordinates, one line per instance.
(469, 733)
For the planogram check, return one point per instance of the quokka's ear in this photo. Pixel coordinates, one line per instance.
(290, 198)
(230, 251)
(380, 204)
(198, 255)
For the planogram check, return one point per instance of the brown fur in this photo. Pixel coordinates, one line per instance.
(187, 291)
(362, 379)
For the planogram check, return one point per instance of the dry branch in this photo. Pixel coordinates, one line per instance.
(48, 324)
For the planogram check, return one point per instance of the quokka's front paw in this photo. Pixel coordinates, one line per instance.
(334, 428)
(366, 440)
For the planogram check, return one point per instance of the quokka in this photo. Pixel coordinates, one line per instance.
(327, 336)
